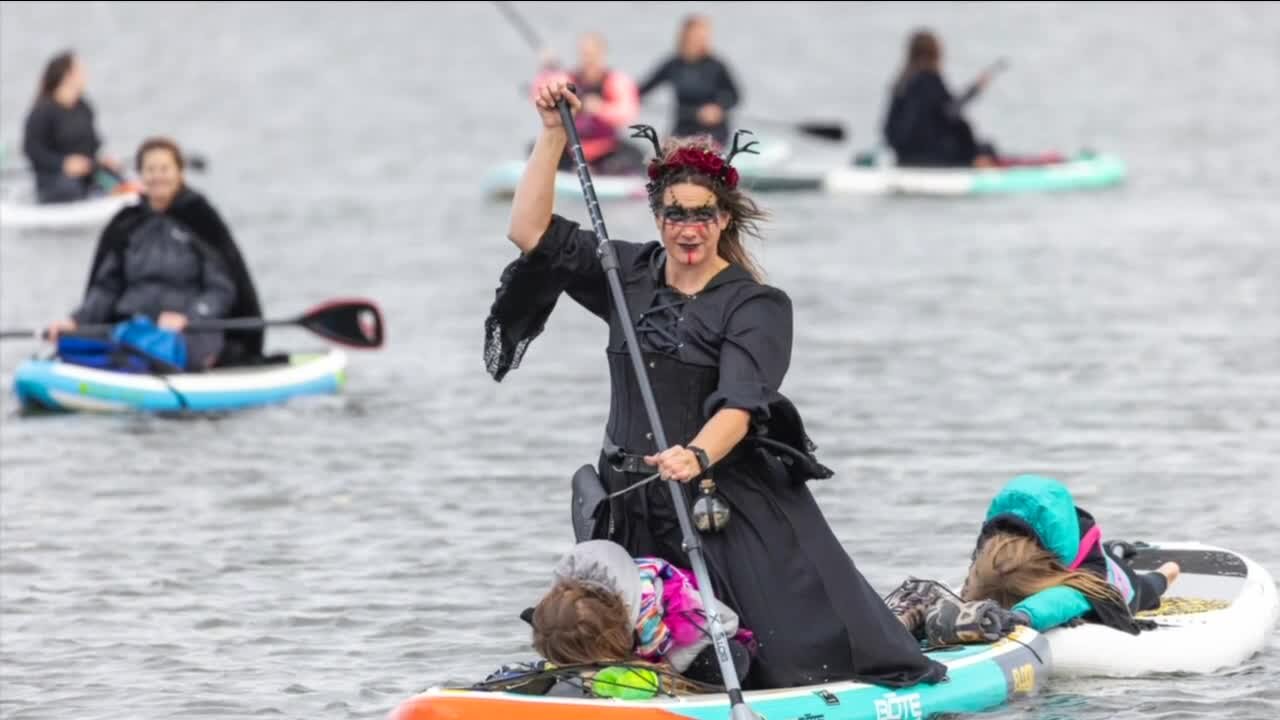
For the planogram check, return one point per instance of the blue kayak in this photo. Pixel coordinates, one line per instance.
(53, 385)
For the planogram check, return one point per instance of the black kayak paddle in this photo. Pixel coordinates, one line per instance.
(355, 323)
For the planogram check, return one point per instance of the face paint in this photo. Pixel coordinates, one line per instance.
(690, 220)
(681, 215)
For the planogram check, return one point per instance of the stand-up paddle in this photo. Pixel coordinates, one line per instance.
(352, 322)
(692, 544)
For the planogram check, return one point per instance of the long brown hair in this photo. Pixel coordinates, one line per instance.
(575, 623)
(54, 71)
(1010, 568)
(744, 214)
(923, 53)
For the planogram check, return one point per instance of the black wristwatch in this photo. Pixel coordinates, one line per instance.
(704, 461)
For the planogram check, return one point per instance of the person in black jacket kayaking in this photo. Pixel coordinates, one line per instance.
(704, 88)
(925, 124)
(60, 139)
(171, 258)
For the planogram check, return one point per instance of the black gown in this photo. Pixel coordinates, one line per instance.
(777, 564)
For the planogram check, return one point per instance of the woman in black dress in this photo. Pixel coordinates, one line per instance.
(716, 343)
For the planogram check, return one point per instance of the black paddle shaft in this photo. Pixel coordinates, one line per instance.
(609, 261)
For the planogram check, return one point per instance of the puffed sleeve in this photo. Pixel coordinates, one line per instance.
(564, 261)
(755, 355)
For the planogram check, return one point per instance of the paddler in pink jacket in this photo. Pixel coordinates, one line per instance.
(610, 103)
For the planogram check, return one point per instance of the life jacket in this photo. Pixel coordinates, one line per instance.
(599, 132)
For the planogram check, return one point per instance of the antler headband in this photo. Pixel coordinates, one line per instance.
(697, 159)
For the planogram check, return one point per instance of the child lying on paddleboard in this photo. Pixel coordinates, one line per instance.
(608, 607)
(1039, 561)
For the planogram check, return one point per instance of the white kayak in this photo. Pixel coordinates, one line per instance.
(1216, 615)
(18, 212)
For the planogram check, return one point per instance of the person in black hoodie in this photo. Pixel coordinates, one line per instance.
(925, 124)
(704, 88)
(60, 139)
(170, 257)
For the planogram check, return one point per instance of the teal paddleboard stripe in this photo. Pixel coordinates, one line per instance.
(1081, 174)
(988, 677)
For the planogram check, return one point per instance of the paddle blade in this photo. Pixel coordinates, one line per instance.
(826, 131)
(355, 323)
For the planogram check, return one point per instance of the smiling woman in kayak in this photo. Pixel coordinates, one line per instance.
(716, 345)
(171, 258)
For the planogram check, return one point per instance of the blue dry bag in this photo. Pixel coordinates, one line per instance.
(136, 346)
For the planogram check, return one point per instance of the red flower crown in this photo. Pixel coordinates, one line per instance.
(700, 160)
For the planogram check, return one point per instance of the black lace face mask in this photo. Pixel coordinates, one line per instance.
(681, 215)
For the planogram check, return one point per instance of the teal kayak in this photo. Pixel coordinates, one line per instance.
(980, 677)
(53, 385)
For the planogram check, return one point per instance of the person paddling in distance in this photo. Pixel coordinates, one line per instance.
(171, 258)
(610, 102)
(925, 124)
(60, 139)
(704, 87)
(716, 344)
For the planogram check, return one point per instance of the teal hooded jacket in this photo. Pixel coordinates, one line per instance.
(1045, 507)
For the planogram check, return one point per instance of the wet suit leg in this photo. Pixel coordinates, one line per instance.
(1149, 588)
